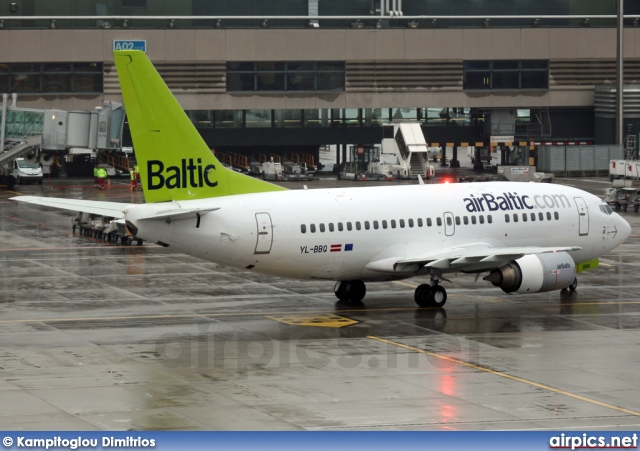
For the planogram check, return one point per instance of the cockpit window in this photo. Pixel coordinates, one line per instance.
(606, 209)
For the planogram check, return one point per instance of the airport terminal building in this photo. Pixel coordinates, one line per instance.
(299, 74)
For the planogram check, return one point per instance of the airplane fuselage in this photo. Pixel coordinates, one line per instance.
(336, 233)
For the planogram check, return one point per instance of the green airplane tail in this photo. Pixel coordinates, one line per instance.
(174, 161)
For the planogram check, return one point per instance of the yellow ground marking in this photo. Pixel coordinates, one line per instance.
(330, 320)
(406, 284)
(505, 375)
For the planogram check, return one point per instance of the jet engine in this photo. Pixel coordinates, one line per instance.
(535, 273)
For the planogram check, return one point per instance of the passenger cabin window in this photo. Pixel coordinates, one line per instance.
(439, 222)
(349, 226)
(515, 217)
(481, 218)
(548, 216)
(340, 227)
(331, 229)
(384, 223)
(541, 216)
(473, 219)
(312, 227)
(556, 215)
(367, 225)
(358, 225)
(524, 217)
(375, 225)
(449, 221)
(393, 223)
(411, 223)
(533, 216)
(489, 219)
(507, 218)
(303, 228)
(465, 219)
(429, 224)
(420, 224)
(402, 223)
(321, 227)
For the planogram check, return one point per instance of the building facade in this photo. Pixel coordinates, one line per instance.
(304, 73)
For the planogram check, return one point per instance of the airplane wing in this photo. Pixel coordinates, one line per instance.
(110, 209)
(180, 213)
(475, 257)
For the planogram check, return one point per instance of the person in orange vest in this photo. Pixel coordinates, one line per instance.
(102, 175)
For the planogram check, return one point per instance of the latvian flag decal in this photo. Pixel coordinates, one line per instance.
(338, 248)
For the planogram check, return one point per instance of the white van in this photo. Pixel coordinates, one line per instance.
(26, 172)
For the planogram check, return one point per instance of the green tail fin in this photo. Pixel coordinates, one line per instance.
(174, 161)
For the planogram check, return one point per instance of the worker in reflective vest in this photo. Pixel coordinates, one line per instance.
(102, 175)
(137, 172)
(95, 176)
(132, 174)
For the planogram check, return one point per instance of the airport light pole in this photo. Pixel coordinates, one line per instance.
(620, 76)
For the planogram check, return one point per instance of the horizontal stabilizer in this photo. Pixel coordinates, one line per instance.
(96, 207)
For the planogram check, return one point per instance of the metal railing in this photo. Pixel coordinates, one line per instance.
(352, 21)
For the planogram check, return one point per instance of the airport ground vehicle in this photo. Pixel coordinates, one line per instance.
(26, 171)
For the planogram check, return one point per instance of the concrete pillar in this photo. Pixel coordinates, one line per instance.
(455, 163)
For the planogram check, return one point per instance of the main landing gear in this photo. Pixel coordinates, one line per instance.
(573, 286)
(430, 295)
(350, 291)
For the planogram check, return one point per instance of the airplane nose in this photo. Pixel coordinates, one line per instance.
(624, 228)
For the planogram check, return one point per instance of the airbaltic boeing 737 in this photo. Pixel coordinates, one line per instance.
(529, 238)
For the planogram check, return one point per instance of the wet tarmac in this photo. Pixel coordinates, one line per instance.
(97, 335)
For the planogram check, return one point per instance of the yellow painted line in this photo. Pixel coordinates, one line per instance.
(406, 284)
(506, 376)
(195, 315)
(330, 320)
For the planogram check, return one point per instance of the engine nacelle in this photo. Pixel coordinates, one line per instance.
(535, 273)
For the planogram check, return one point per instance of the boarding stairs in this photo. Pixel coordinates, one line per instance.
(15, 149)
(417, 164)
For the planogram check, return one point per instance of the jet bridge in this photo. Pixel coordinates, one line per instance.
(39, 134)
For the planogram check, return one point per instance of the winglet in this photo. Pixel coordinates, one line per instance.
(174, 161)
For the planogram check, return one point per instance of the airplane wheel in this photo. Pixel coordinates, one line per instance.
(341, 291)
(438, 296)
(356, 290)
(421, 295)
(573, 285)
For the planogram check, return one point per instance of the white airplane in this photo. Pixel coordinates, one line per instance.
(529, 238)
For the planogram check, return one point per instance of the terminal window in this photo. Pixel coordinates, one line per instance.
(51, 78)
(300, 76)
(506, 75)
